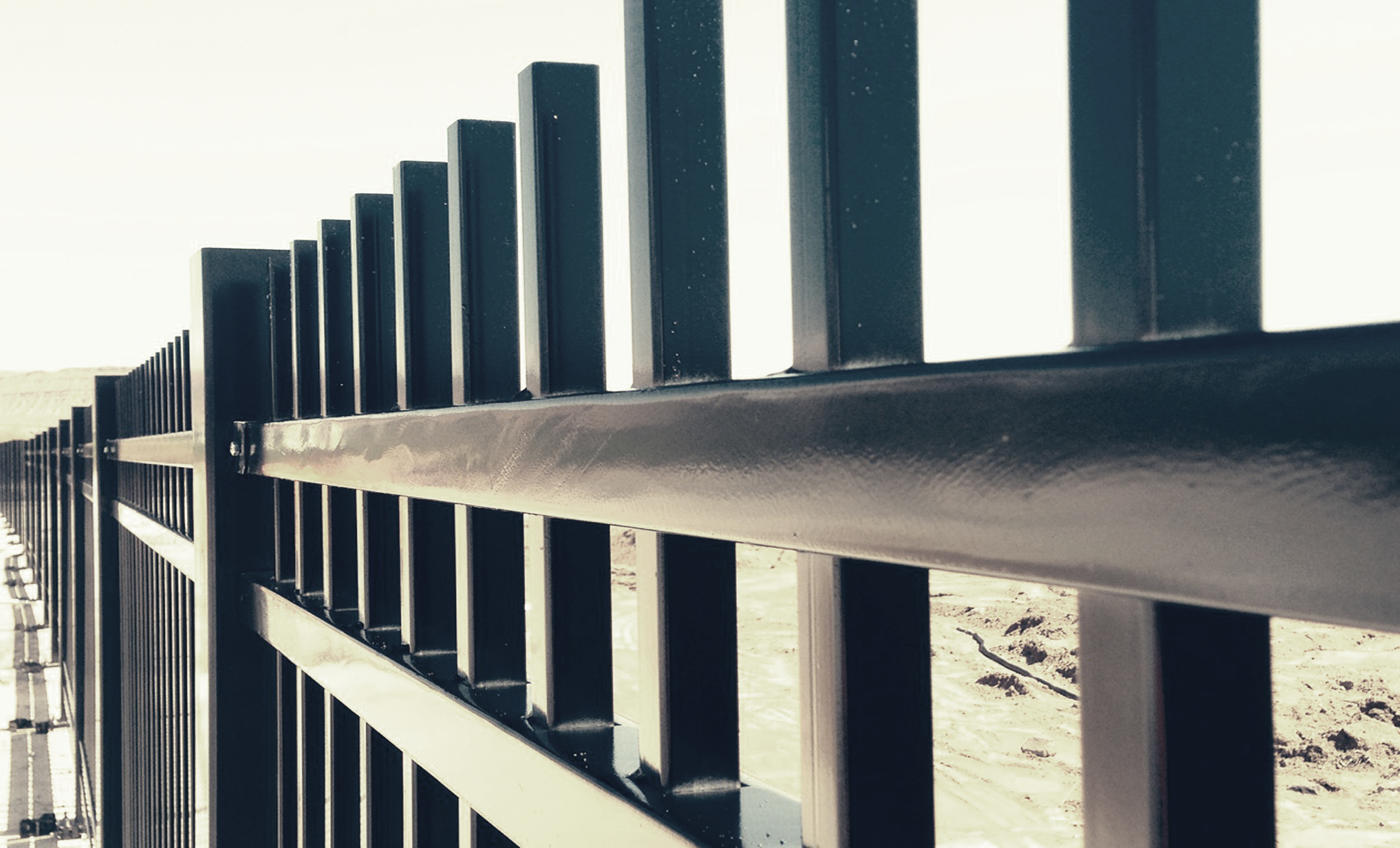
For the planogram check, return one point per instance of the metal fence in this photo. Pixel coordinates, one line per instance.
(289, 559)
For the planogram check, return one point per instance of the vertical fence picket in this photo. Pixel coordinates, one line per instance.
(63, 436)
(422, 339)
(568, 563)
(286, 772)
(80, 637)
(375, 371)
(306, 403)
(423, 343)
(680, 330)
(342, 769)
(381, 791)
(485, 344)
(1150, 159)
(338, 511)
(337, 398)
(865, 692)
(375, 374)
(282, 362)
(311, 763)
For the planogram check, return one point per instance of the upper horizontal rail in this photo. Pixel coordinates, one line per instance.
(1257, 472)
(451, 739)
(169, 449)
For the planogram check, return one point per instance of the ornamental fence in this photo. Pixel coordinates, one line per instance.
(290, 561)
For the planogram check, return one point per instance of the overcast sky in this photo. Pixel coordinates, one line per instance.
(132, 134)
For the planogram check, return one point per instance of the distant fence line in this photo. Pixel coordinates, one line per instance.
(290, 561)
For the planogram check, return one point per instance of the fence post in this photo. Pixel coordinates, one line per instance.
(75, 635)
(235, 716)
(62, 493)
(106, 745)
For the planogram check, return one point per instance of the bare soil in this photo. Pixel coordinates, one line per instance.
(1006, 742)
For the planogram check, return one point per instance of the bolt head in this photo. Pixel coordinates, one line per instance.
(233, 449)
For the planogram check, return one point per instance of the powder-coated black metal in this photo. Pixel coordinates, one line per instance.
(423, 336)
(307, 536)
(281, 360)
(234, 799)
(1117, 468)
(1191, 487)
(567, 563)
(342, 775)
(863, 627)
(561, 203)
(337, 333)
(853, 144)
(677, 190)
(422, 303)
(311, 761)
(680, 333)
(487, 611)
(285, 681)
(482, 300)
(381, 790)
(376, 390)
(1164, 154)
(105, 747)
(372, 302)
(1165, 123)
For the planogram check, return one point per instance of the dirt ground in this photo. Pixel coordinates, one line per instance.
(1006, 744)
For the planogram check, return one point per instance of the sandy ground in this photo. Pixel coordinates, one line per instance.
(40, 776)
(1006, 746)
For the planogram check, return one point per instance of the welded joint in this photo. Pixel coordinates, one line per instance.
(244, 445)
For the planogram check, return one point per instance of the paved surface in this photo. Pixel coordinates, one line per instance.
(40, 776)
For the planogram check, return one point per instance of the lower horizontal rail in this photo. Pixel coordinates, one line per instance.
(1258, 472)
(168, 545)
(499, 773)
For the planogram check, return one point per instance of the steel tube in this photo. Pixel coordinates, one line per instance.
(1217, 471)
(451, 740)
(166, 543)
(169, 449)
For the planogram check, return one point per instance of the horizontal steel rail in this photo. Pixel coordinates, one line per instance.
(451, 739)
(1217, 471)
(168, 449)
(166, 543)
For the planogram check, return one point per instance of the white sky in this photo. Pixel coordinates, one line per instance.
(132, 134)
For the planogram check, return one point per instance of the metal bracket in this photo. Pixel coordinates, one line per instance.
(244, 445)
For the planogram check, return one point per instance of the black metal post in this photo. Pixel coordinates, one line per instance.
(234, 801)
